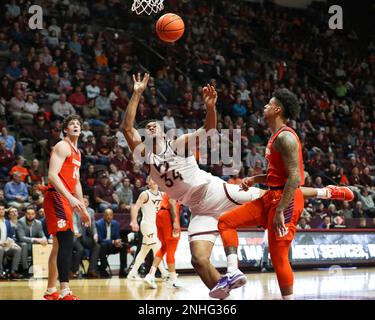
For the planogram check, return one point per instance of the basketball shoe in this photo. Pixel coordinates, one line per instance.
(233, 280)
(339, 193)
(51, 296)
(134, 276)
(172, 281)
(69, 296)
(150, 281)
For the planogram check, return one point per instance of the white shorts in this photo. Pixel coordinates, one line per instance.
(149, 233)
(217, 198)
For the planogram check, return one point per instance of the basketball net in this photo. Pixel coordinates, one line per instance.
(147, 6)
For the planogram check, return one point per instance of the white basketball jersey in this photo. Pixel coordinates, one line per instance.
(151, 207)
(178, 176)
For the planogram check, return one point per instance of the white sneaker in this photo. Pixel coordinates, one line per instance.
(173, 283)
(132, 276)
(150, 281)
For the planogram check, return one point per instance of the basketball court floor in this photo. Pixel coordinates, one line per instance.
(318, 284)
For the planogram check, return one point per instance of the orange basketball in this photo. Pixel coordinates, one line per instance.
(170, 27)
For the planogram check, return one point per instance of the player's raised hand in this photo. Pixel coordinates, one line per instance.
(140, 84)
(209, 96)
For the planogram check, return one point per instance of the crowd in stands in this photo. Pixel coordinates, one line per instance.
(74, 65)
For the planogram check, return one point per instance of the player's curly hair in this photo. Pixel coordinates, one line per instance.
(289, 102)
(67, 119)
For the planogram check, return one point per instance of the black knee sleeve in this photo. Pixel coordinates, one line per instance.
(64, 255)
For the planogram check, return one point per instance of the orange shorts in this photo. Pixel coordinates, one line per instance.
(58, 211)
(261, 212)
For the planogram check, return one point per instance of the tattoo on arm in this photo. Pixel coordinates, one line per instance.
(288, 146)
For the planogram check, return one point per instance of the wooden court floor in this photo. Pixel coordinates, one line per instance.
(335, 284)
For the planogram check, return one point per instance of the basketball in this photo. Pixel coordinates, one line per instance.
(170, 27)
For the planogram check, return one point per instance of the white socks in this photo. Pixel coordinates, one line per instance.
(322, 193)
(288, 297)
(51, 290)
(64, 292)
(232, 261)
(152, 271)
(140, 258)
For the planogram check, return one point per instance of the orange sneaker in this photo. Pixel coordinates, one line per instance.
(339, 193)
(51, 296)
(69, 296)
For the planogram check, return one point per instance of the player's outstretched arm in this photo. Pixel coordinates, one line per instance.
(60, 152)
(143, 198)
(287, 145)
(209, 98)
(127, 126)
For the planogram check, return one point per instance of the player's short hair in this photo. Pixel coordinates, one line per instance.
(289, 103)
(142, 124)
(66, 121)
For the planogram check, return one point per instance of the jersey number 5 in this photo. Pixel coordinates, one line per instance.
(168, 181)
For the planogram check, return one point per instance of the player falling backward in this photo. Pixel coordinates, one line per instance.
(206, 195)
(149, 202)
(63, 195)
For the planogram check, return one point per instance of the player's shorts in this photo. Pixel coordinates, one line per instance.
(261, 212)
(58, 211)
(149, 233)
(217, 198)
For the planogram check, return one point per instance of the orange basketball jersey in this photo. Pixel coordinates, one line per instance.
(277, 175)
(69, 173)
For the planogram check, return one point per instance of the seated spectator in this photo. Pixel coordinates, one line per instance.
(362, 223)
(62, 108)
(110, 242)
(365, 178)
(346, 211)
(20, 168)
(78, 99)
(358, 211)
(121, 161)
(367, 197)
(13, 72)
(115, 122)
(16, 193)
(124, 192)
(327, 223)
(238, 109)
(354, 179)
(91, 113)
(318, 183)
(29, 232)
(137, 174)
(37, 174)
(116, 176)
(6, 160)
(13, 219)
(103, 103)
(8, 247)
(92, 90)
(302, 224)
(86, 131)
(65, 84)
(168, 120)
(31, 107)
(104, 150)
(343, 178)
(85, 238)
(10, 141)
(104, 194)
(17, 109)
